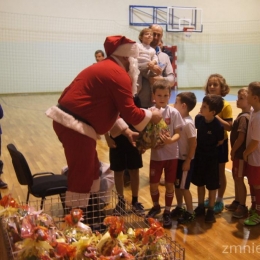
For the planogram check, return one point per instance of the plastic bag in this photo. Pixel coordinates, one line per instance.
(150, 136)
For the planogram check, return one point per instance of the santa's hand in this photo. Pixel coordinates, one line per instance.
(132, 136)
(156, 116)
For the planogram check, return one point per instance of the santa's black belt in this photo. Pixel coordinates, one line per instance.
(72, 114)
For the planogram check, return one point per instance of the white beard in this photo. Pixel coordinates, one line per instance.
(133, 73)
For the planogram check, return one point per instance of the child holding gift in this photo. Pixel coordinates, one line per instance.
(165, 157)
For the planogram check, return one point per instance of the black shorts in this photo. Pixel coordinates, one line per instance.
(124, 156)
(223, 152)
(206, 171)
(183, 179)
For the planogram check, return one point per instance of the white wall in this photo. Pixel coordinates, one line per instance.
(44, 44)
(214, 11)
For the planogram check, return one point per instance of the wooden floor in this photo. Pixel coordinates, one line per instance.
(26, 125)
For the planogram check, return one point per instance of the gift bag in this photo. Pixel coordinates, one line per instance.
(150, 136)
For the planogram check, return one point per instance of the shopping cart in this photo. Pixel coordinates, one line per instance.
(99, 206)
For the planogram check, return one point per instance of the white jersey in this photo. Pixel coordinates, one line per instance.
(173, 119)
(253, 134)
(188, 131)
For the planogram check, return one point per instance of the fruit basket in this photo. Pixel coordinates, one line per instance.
(100, 206)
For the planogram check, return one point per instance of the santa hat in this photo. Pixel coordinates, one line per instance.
(121, 46)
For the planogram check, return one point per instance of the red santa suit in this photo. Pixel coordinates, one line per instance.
(96, 96)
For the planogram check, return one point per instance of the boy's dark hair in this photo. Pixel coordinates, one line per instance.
(145, 30)
(215, 102)
(254, 87)
(100, 51)
(189, 99)
(161, 84)
(224, 86)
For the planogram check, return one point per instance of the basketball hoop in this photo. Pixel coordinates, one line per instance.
(188, 31)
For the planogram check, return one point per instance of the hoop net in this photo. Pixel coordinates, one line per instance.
(188, 30)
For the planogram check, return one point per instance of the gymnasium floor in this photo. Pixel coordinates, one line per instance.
(26, 125)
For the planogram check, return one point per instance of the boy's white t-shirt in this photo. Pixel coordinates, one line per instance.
(253, 133)
(188, 131)
(173, 119)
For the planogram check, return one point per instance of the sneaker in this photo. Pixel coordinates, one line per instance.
(252, 220)
(206, 203)
(153, 211)
(138, 209)
(219, 206)
(167, 221)
(177, 212)
(119, 209)
(210, 216)
(3, 185)
(199, 211)
(186, 217)
(240, 212)
(233, 206)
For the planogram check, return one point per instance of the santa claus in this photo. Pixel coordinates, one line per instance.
(90, 106)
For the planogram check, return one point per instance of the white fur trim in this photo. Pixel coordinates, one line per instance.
(69, 121)
(133, 73)
(119, 126)
(127, 50)
(145, 121)
(75, 199)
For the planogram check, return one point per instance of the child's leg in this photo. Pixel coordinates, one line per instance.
(170, 172)
(200, 210)
(223, 158)
(155, 195)
(201, 195)
(188, 200)
(119, 182)
(185, 185)
(241, 210)
(167, 221)
(210, 215)
(134, 175)
(253, 197)
(138, 208)
(189, 214)
(254, 216)
(156, 209)
(212, 198)
(238, 171)
(179, 197)
(238, 168)
(169, 193)
(236, 190)
(222, 181)
(156, 168)
(178, 182)
(240, 189)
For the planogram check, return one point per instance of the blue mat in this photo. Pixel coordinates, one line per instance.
(199, 94)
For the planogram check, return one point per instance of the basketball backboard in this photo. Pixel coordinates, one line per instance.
(179, 18)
